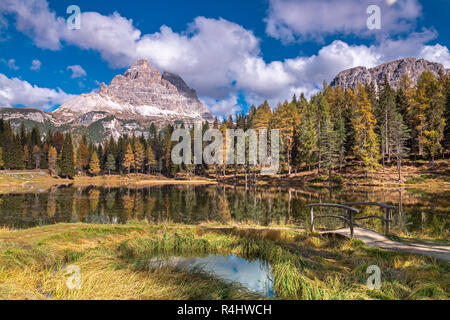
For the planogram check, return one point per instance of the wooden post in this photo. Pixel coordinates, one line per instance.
(311, 211)
(351, 224)
(387, 220)
(346, 215)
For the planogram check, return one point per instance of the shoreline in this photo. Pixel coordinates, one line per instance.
(23, 180)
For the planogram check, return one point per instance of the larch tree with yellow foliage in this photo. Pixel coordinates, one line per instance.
(128, 159)
(366, 141)
(427, 113)
(94, 164)
(286, 118)
(139, 156)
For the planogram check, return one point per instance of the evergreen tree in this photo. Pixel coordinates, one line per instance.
(37, 156)
(307, 138)
(385, 114)
(58, 141)
(150, 158)
(66, 165)
(2, 163)
(26, 156)
(330, 147)
(110, 163)
(400, 136)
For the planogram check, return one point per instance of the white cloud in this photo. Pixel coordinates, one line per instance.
(225, 107)
(436, 53)
(291, 20)
(18, 92)
(77, 71)
(34, 18)
(35, 65)
(221, 59)
(11, 63)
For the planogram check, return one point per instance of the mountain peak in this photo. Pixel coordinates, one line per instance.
(393, 70)
(141, 94)
(141, 63)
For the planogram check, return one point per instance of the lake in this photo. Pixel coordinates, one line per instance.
(420, 214)
(254, 275)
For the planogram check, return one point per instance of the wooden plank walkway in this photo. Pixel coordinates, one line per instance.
(375, 239)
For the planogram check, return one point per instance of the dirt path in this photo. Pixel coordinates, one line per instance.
(375, 239)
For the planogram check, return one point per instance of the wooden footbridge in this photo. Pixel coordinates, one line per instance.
(349, 214)
(371, 238)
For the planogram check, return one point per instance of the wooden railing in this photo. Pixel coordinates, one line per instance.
(387, 209)
(349, 212)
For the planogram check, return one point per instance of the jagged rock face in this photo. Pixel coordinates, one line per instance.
(394, 71)
(141, 94)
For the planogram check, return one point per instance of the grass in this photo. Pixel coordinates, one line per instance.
(114, 262)
(419, 240)
(420, 179)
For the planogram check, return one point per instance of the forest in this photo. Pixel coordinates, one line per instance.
(375, 127)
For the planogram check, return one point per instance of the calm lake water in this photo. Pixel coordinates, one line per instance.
(420, 213)
(254, 275)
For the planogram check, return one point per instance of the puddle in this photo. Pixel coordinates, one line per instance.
(254, 275)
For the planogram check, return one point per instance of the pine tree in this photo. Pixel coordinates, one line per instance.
(94, 164)
(446, 85)
(26, 156)
(330, 147)
(307, 138)
(110, 163)
(58, 141)
(168, 149)
(2, 163)
(400, 136)
(18, 156)
(67, 168)
(385, 113)
(37, 156)
(128, 160)
(150, 158)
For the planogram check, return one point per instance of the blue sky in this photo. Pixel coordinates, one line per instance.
(234, 53)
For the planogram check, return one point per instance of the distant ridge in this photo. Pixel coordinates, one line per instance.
(393, 70)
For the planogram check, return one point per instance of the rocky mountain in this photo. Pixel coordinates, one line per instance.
(142, 95)
(393, 70)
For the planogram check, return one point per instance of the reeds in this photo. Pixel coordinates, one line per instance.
(114, 262)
